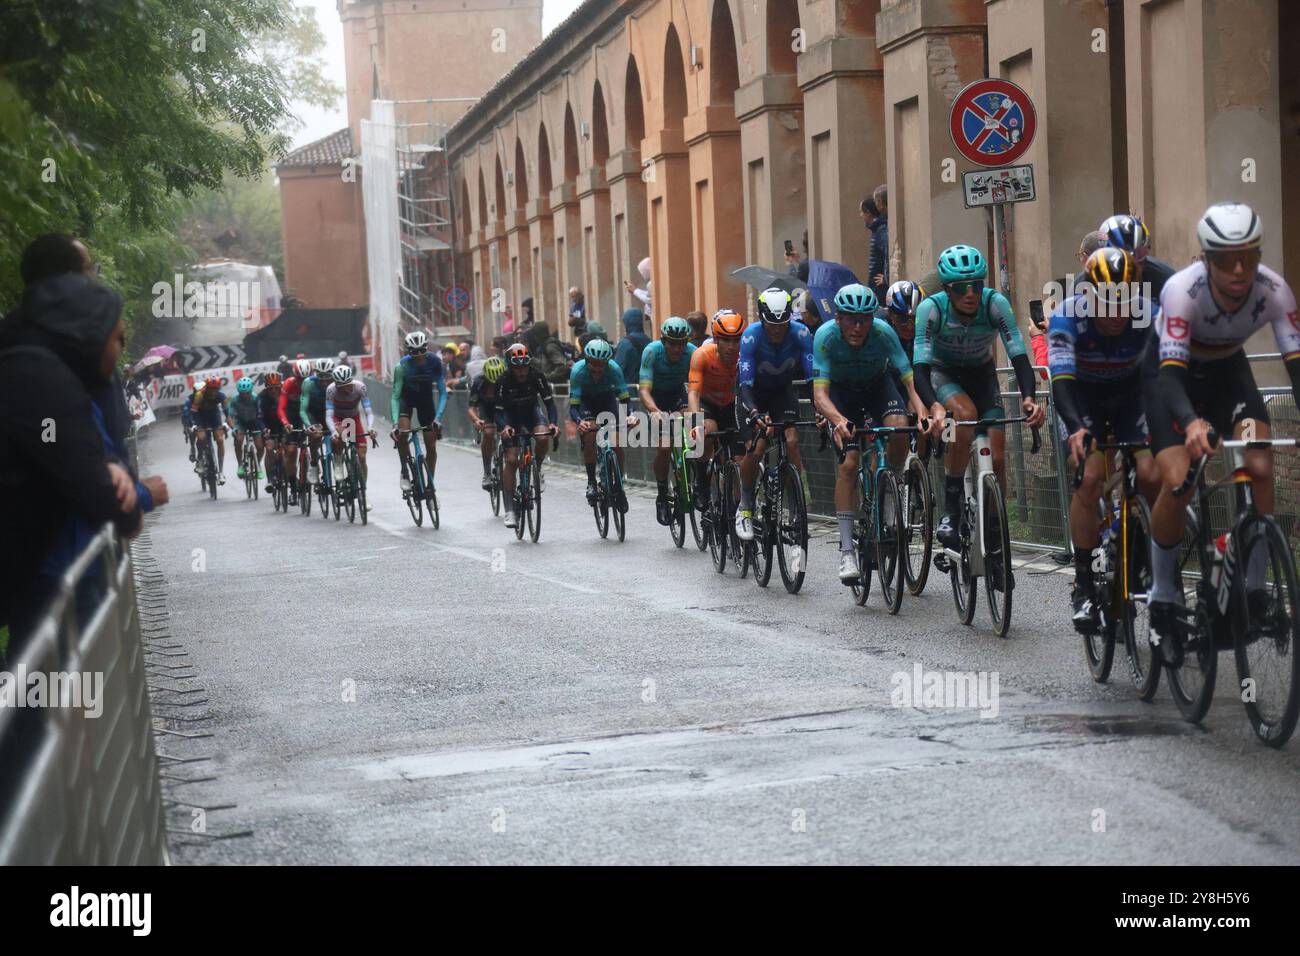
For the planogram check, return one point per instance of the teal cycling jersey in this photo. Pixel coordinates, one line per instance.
(834, 360)
(942, 339)
(660, 375)
(583, 385)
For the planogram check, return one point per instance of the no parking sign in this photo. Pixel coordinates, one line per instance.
(992, 122)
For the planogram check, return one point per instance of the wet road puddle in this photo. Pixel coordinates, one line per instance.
(1117, 726)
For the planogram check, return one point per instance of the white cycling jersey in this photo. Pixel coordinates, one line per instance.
(1193, 329)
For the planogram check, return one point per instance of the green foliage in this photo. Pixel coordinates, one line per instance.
(117, 118)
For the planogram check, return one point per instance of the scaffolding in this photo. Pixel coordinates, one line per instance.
(432, 293)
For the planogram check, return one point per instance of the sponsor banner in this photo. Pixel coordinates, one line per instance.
(141, 411)
(172, 390)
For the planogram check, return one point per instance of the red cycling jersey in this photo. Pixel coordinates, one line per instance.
(290, 393)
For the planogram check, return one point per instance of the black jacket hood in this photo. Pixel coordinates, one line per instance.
(72, 316)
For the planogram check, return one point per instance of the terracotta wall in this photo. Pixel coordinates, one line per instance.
(324, 237)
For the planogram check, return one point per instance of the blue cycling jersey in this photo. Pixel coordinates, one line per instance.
(835, 361)
(583, 385)
(1078, 349)
(765, 364)
(660, 375)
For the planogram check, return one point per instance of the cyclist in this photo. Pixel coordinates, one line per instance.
(1096, 339)
(775, 351)
(711, 387)
(243, 413)
(665, 367)
(955, 372)
(1131, 234)
(1198, 379)
(852, 360)
(311, 406)
(899, 310)
(482, 411)
(345, 399)
(187, 416)
(268, 405)
(596, 388)
(290, 415)
(519, 395)
(206, 409)
(414, 379)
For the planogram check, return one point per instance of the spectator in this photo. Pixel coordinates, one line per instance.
(577, 312)
(875, 213)
(628, 353)
(594, 331)
(508, 326)
(547, 355)
(795, 265)
(451, 373)
(477, 359)
(527, 307)
(499, 344)
(643, 295)
(63, 346)
(699, 323)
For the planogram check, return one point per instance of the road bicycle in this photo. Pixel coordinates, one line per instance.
(352, 489)
(494, 475)
(206, 463)
(1122, 571)
(879, 530)
(681, 490)
(326, 492)
(276, 480)
(780, 510)
(610, 494)
(249, 463)
(984, 537)
(918, 514)
(1259, 623)
(719, 517)
(527, 501)
(417, 470)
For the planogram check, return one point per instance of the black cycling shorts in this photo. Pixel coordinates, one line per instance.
(1112, 411)
(772, 402)
(421, 403)
(1223, 392)
(867, 406)
(523, 418)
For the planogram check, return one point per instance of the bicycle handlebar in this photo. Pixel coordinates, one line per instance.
(987, 422)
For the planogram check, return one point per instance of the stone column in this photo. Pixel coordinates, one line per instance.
(718, 207)
(518, 263)
(770, 111)
(843, 85)
(597, 283)
(668, 198)
(929, 52)
(541, 242)
(631, 237)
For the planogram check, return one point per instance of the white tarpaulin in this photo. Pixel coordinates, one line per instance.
(383, 250)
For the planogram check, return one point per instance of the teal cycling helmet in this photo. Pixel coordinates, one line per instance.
(856, 299)
(598, 350)
(675, 328)
(961, 263)
(244, 386)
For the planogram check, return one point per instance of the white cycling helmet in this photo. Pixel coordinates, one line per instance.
(342, 375)
(1229, 225)
(416, 340)
(302, 367)
(324, 366)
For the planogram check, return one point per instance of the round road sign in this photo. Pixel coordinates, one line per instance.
(992, 122)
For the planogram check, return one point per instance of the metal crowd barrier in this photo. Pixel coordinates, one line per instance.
(76, 788)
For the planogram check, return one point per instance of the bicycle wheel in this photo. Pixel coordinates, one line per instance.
(961, 575)
(760, 549)
(997, 556)
(1099, 647)
(740, 551)
(791, 530)
(600, 509)
(614, 482)
(535, 512)
(862, 545)
(336, 501)
(687, 480)
(323, 494)
(1192, 684)
(519, 503)
(1143, 663)
(716, 517)
(676, 506)
(362, 510)
(431, 497)
(891, 546)
(494, 493)
(414, 505)
(1265, 644)
(350, 487)
(918, 519)
(211, 466)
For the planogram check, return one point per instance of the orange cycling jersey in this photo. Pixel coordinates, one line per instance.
(714, 381)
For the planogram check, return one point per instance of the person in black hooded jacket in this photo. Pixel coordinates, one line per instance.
(59, 482)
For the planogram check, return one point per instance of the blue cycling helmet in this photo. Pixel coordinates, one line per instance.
(856, 299)
(960, 263)
(903, 297)
(244, 385)
(598, 350)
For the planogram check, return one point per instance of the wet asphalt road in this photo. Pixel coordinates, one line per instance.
(399, 694)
